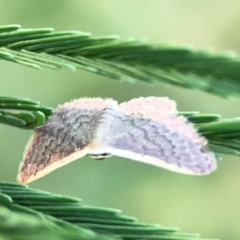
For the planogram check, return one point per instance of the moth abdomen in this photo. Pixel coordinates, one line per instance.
(105, 120)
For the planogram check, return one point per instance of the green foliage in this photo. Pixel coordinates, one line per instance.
(32, 115)
(18, 222)
(32, 214)
(223, 135)
(27, 213)
(128, 59)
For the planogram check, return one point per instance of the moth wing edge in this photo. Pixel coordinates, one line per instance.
(160, 163)
(72, 157)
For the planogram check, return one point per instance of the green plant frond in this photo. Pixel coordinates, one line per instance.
(122, 59)
(22, 112)
(223, 135)
(18, 222)
(29, 211)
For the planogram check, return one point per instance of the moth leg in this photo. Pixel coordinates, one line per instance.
(100, 156)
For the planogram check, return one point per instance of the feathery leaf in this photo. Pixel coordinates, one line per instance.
(22, 112)
(25, 211)
(127, 59)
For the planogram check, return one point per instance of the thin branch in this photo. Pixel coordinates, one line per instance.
(127, 59)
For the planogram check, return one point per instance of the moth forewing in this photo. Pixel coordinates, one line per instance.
(148, 130)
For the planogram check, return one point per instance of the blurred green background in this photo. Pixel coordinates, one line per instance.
(210, 204)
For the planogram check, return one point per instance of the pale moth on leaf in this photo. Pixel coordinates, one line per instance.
(144, 129)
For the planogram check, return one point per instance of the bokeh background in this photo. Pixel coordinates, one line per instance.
(209, 205)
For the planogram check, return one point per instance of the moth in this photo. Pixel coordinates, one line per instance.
(147, 129)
